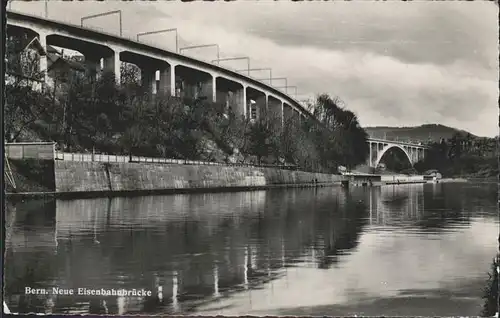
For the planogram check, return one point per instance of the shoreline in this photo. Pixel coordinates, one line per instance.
(403, 182)
(137, 193)
(68, 179)
(471, 179)
(451, 180)
(158, 192)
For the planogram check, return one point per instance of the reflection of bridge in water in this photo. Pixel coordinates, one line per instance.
(408, 205)
(237, 261)
(390, 202)
(191, 250)
(188, 249)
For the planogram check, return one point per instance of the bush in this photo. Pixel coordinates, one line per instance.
(491, 300)
(32, 175)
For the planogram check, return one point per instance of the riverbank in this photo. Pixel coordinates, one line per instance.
(366, 179)
(377, 180)
(402, 179)
(73, 179)
(96, 194)
(471, 179)
(448, 180)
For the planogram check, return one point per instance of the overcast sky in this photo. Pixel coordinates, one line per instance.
(393, 63)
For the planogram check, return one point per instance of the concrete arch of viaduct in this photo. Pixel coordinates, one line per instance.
(112, 49)
(387, 148)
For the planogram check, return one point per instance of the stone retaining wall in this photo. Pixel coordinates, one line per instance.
(74, 176)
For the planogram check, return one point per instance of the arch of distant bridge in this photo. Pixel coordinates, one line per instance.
(379, 147)
(389, 147)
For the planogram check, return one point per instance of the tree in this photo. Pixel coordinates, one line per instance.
(136, 117)
(461, 155)
(25, 99)
(230, 133)
(260, 143)
(340, 140)
(91, 112)
(23, 59)
(130, 78)
(23, 107)
(96, 113)
(241, 138)
(299, 145)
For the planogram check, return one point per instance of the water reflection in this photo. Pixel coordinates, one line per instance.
(200, 253)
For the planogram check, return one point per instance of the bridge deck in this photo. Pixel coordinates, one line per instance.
(101, 35)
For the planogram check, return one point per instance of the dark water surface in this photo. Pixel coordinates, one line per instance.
(392, 250)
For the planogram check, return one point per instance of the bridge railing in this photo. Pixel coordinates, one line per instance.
(89, 157)
(396, 139)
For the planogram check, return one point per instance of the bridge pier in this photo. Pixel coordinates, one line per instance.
(413, 155)
(43, 64)
(287, 114)
(149, 67)
(421, 152)
(369, 162)
(256, 104)
(111, 63)
(148, 79)
(262, 105)
(297, 117)
(282, 115)
(209, 88)
(92, 65)
(167, 80)
(194, 84)
(230, 94)
(275, 107)
(240, 98)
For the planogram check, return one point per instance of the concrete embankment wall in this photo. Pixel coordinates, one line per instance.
(74, 177)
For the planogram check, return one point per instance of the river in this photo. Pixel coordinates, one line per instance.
(422, 250)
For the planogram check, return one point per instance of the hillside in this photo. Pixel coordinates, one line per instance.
(423, 132)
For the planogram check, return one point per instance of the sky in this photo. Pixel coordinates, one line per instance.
(392, 63)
